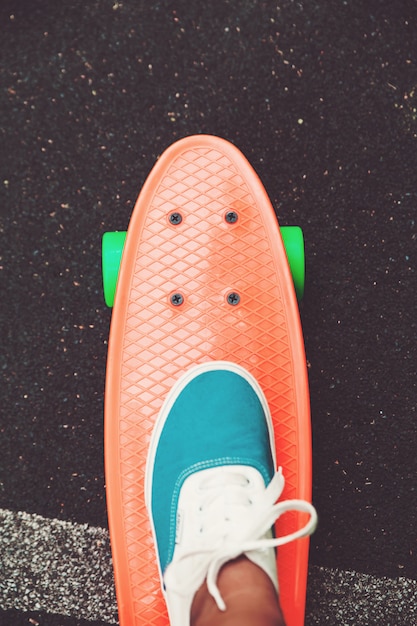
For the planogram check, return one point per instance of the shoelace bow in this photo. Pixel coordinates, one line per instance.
(255, 523)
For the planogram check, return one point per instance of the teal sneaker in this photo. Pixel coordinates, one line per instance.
(211, 486)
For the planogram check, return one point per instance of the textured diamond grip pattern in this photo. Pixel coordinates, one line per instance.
(152, 342)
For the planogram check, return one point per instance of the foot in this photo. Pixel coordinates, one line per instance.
(211, 486)
(249, 594)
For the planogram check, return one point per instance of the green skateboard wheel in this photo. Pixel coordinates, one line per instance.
(293, 239)
(111, 256)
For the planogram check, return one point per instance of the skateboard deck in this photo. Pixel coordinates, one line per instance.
(203, 276)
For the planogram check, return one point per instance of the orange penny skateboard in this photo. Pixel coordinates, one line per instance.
(204, 276)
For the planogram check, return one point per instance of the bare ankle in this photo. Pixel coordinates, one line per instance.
(248, 593)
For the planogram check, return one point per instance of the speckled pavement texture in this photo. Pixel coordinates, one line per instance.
(322, 99)
(59, 568)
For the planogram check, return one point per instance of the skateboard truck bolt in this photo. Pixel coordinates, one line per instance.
(231, 217)
(175, 218)
(177, 299)
(233, 298)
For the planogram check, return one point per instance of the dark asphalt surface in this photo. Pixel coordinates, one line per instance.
(322, 99)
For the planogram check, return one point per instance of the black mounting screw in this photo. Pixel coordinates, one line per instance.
(177, 299)
(231, 217)
(233, 298)
(175, 218)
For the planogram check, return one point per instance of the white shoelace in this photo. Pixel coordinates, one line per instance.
(254, 520)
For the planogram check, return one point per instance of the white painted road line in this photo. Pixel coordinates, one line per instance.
(341, 597)
(55, 566)
(65, 568)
